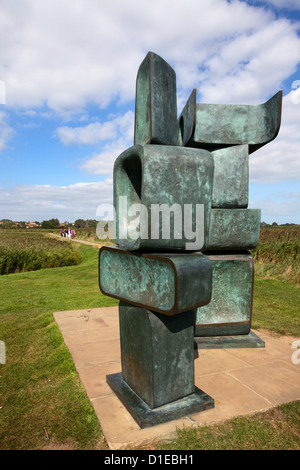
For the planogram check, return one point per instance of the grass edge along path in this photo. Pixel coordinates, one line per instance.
(275, 429)
(42, 401)
(276, 306)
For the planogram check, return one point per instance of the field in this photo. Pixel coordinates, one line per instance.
(277, 255)
(42, 401)
(21, 251)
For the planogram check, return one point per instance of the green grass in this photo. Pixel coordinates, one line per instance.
(42, 400)
(41, 397)
(276, 306)
(277, 429)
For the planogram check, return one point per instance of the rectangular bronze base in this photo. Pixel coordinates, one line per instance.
(146, 416)
(236, 341)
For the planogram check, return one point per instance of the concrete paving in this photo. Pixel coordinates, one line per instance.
(241, 381)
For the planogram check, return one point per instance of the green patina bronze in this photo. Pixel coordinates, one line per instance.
(218, 125)
(166, 283)
(231, 177)
(156, 103)
(233, 229)
(232, 341)
(146, 416)
(155, 175)
(165, 290)
(230, 309)
(157, 356)
(187, 121)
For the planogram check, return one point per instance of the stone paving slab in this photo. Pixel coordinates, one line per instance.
(241, 381)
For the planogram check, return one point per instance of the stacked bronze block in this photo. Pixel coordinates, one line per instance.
(179, 283)
(231, 133)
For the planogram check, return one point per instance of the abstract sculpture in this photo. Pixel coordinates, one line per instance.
(181, 268)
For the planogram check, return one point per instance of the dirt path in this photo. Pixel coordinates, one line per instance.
(75, 240)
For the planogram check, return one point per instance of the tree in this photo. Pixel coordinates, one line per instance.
(9, 224)
(79, 223)
(90, 223)
(49, 224)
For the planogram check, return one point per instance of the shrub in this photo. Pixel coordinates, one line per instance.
(20, 252)
(278, 253)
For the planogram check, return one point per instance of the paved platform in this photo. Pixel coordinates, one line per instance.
(241, 381)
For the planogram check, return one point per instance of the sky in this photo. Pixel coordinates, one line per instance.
(67, 93)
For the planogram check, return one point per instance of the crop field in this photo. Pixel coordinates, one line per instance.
(277, 255)
(23, 251)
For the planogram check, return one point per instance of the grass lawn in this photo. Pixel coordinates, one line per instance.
(277, 429)
(42, 401)
(276, 306)
(41, 397)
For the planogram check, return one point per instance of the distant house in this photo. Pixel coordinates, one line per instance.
(32, 224)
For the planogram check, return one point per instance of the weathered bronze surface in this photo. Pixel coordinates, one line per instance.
(165, 283)
(157, 354)
(231, 177)
(168, 293)
(250, 340)
(187, 121)
(216, 125)
(146, 416)
(230, 309)
(155, 175)
(233, 229)
(156, 103)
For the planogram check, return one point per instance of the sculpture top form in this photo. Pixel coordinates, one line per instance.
(200, 158)
(199, 125)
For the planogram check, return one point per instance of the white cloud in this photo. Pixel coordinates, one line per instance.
(117, 134)
(42, 202)
(279, 160)
(249, 68)
(87, 135)
(69, 53)
(102, 163)
(60, 56)
(96, 132)
(64, 53)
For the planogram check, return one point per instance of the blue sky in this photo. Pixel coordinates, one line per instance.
(67, 90)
